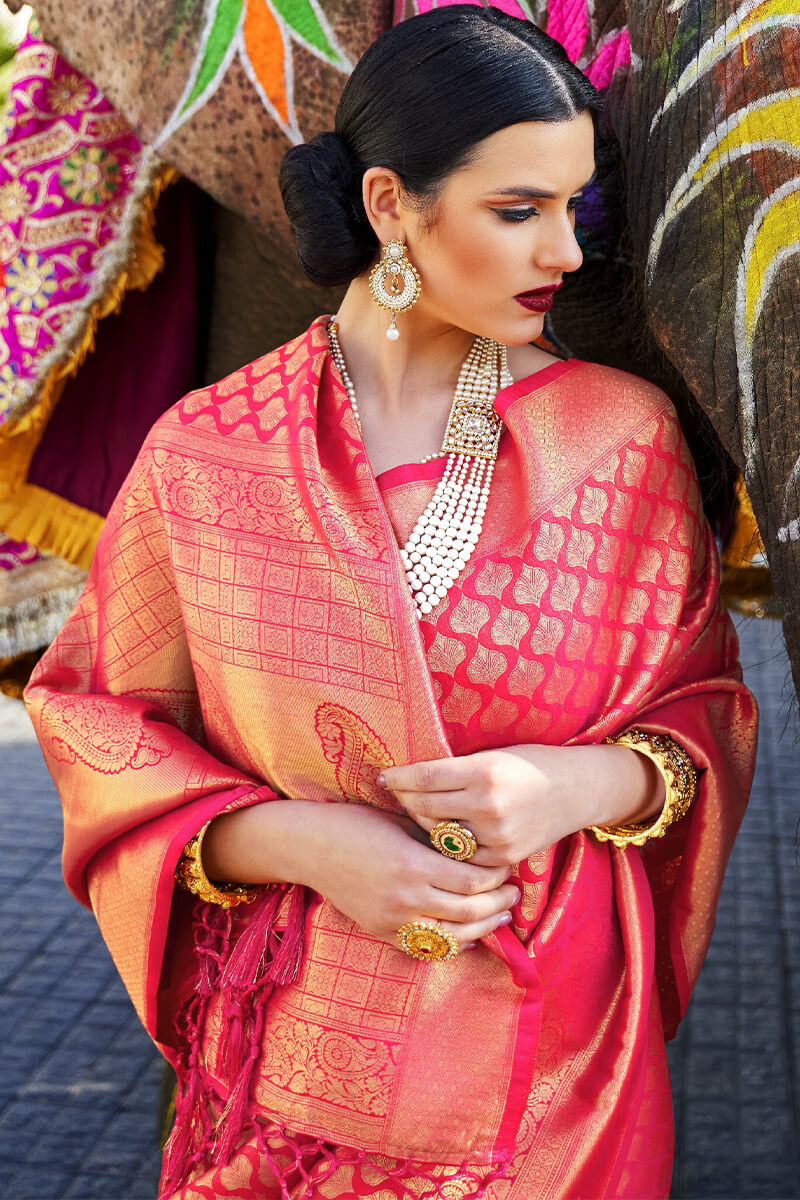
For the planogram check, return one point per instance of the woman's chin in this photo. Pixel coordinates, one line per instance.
(525, 330)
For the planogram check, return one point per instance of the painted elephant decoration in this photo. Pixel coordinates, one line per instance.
(691, 234)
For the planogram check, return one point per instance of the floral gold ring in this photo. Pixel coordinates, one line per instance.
(454, 840)
(427, 940)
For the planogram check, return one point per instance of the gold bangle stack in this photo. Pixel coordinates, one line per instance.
(191, 876)
(680, 779)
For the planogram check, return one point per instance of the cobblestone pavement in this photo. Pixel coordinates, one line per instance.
(79, 1081)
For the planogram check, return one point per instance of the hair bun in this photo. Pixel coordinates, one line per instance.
(320, 186)
(330, 163)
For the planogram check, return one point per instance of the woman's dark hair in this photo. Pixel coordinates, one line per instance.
(419, 101)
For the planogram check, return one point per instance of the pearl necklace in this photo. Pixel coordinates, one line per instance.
(444, 538)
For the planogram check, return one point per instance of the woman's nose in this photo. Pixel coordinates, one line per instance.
(559, 249)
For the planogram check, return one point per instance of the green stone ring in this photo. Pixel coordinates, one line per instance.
(454, 840)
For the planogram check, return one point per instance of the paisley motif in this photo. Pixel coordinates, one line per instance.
(101, 734)
(357, 753)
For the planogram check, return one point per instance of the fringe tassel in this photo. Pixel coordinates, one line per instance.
(193, 1130)
(245, 970)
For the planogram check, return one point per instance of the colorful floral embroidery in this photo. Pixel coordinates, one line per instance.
(14, 201)
(90, 176)
(68, 165)
(68, 95)
(30, 282)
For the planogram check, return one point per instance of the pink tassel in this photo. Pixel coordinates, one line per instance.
(289, 952)
(192, 1131)
(245, 970)
(249, 955)
(264, 958)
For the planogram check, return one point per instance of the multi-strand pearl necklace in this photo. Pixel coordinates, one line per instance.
(444, 538)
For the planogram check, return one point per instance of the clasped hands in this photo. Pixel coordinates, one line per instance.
(520, 800)
(379, 868)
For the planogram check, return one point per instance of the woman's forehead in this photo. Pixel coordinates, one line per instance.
(547, 156)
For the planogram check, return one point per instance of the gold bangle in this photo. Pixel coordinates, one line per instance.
(680, 779)
(190, 874)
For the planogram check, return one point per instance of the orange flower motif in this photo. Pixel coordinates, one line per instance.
(68, 95)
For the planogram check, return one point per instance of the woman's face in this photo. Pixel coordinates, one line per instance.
(504, 227)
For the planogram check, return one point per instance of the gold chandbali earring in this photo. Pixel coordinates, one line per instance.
(395, 284)
(444, 538)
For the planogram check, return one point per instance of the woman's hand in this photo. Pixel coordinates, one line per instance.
(375, 867)
(520, 800)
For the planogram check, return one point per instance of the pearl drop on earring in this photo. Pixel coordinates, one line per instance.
(393, 333)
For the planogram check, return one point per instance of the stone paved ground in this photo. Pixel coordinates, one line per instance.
(79, 1080)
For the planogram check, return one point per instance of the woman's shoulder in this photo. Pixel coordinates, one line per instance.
(589, 388)
(526, 362)
(249, 403)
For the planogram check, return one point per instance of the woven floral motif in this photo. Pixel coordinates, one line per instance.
(68, 169)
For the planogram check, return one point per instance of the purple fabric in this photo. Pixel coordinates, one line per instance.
(145, 359)
(16, 554)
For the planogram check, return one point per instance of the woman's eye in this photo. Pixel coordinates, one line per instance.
(516, 214)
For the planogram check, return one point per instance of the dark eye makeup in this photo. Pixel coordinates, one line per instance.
(517, 215)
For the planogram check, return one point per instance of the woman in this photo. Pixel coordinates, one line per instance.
(280, 614)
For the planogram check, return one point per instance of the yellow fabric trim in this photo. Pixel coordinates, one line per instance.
(745, 542)
(746, 585)
(51, 523)
(62, 527)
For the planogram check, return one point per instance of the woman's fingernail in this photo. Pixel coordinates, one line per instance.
(469, 945)
(382, 780)
(506, 919)
(517, 896)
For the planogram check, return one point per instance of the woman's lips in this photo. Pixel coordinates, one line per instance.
(540, 300)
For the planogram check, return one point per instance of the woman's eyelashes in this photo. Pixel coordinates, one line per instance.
(516, 214)
(525, 213)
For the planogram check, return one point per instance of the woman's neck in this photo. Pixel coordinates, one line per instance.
(411, 379)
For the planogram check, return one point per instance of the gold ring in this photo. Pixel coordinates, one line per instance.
(427, 939)
(454, 840)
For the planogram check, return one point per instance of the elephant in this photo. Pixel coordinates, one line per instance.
(689, 233)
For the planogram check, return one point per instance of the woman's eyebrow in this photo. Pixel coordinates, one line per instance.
(529, 193)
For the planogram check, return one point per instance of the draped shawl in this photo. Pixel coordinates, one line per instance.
(247, 632)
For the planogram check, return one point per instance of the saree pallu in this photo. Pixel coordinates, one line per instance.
(247, 633)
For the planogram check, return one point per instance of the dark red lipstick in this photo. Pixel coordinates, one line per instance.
(539, 299)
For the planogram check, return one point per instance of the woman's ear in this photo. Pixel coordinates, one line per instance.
(381, 192)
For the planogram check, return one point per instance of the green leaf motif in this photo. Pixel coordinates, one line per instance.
(302, 20)
(218, 39)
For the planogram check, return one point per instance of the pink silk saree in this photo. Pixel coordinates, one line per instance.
(247, 632)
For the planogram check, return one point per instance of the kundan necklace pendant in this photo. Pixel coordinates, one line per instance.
(444, 538)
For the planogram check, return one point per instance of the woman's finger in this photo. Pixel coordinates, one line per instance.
(465, 935)
(484, 856)
(464, 878)
(478, 929)
(438, 775)
(469, 910)
(429, 808)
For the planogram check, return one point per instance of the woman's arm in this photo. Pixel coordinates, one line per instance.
(373, 866)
